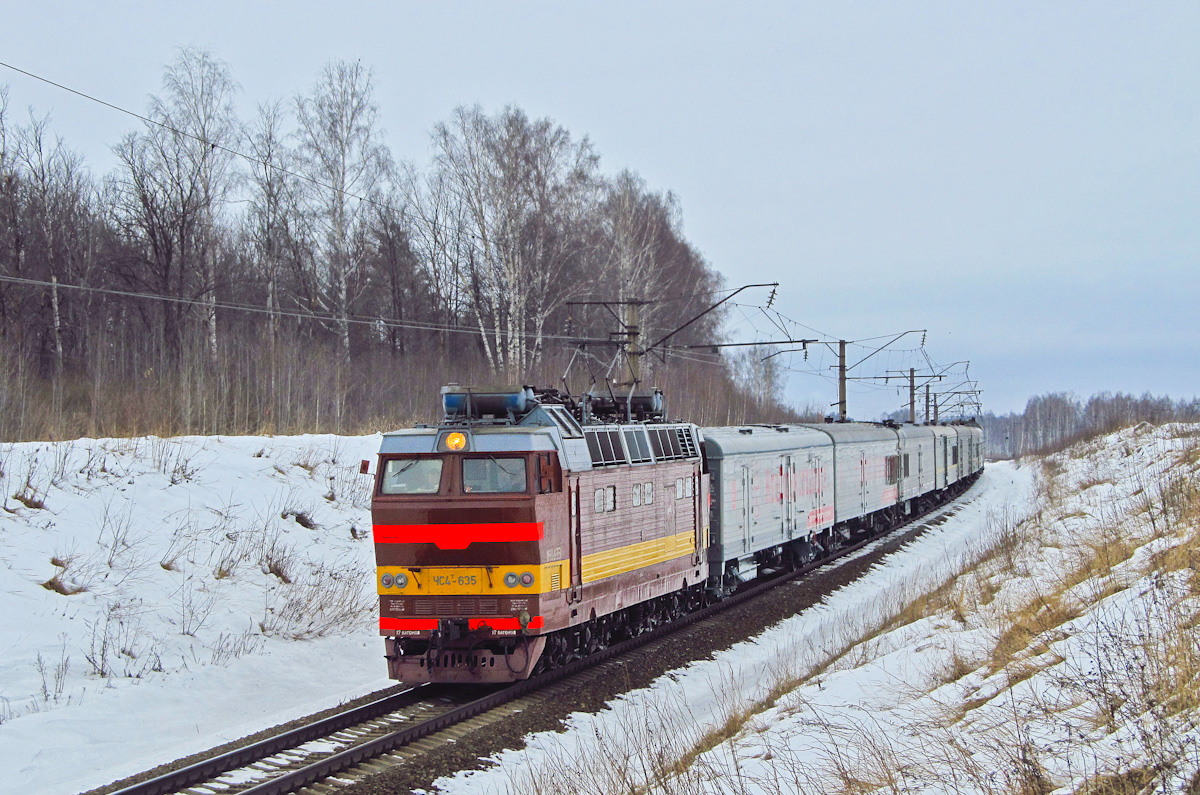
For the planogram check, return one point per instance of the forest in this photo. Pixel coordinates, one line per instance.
(1055, 420)
(289, 273)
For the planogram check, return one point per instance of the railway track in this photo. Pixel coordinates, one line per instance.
(334, 752)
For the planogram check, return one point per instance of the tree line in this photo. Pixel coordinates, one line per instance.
(289, 273)
(1052, 421)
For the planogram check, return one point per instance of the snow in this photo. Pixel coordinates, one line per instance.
(209, 650)
(890, 684)
(1041, 638)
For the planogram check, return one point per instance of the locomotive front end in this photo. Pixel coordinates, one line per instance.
(467, 550)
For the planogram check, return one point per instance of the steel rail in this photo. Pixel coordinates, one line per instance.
(207, 769)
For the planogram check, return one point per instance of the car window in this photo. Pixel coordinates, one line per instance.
(494, 475)
(412, 476)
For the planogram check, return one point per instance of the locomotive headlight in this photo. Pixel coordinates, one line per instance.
(401, 580)
(527, 579)
(511, 579)
(456, 441)
(386, 580)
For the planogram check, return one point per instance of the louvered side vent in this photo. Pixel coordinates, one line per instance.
(444, 607)
(465, 607)
(489, 607)
(423, 607)
(556, 579)
(686, 443)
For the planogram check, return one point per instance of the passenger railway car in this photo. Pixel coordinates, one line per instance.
(525, 530)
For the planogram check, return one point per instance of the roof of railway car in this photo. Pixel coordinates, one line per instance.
(722, 441)
(846, 432)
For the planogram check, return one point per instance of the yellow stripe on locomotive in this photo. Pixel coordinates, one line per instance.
(621, 560)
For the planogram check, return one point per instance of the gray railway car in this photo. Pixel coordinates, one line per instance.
(782, 494)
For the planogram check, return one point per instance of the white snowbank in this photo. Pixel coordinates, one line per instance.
(181, 632)
(1040, 639)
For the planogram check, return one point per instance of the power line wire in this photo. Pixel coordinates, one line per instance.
(194, 137)
(294, 313)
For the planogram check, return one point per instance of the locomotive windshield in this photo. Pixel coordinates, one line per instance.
(412, 476)
(494, 475)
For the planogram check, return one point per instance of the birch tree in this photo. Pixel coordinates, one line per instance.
(172, 184)
(340, 150)
(198, 104)
(525, 189)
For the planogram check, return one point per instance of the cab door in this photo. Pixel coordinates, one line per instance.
(575, 541)
(698, 515)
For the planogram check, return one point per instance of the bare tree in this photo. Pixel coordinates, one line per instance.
(439, 238)
(58, 190)
(396, 271)
(274, 200)
(174, 180)
(11, 225)
(198, 103)
(525, 190)
(340, 149)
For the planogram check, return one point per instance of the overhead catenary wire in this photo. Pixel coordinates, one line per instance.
(300, 314)
(293, 313)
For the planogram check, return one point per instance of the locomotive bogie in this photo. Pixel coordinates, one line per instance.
(463, 664)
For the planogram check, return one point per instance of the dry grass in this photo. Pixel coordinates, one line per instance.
(1097, 556)
(63, 562)
(957, 667)
(1029, 630)
(57, 585)
(30, 499)
(1130, 782)
(950, 597)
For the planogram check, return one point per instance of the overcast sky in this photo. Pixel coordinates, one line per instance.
(1021, 179)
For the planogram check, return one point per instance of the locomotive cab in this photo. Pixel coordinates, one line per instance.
(461, 520)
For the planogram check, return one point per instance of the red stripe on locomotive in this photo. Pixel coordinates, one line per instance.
(402, 624)
(457, 536)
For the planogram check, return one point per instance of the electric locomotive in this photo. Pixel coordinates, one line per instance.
(524, 530)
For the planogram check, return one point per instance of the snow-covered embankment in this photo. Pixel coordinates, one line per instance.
(159, 597)
(1042, 640)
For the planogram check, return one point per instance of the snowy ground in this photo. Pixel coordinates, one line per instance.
(210, 587)
(199, 608)
(1043, 640)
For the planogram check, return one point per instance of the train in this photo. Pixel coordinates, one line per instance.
(529, 528)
